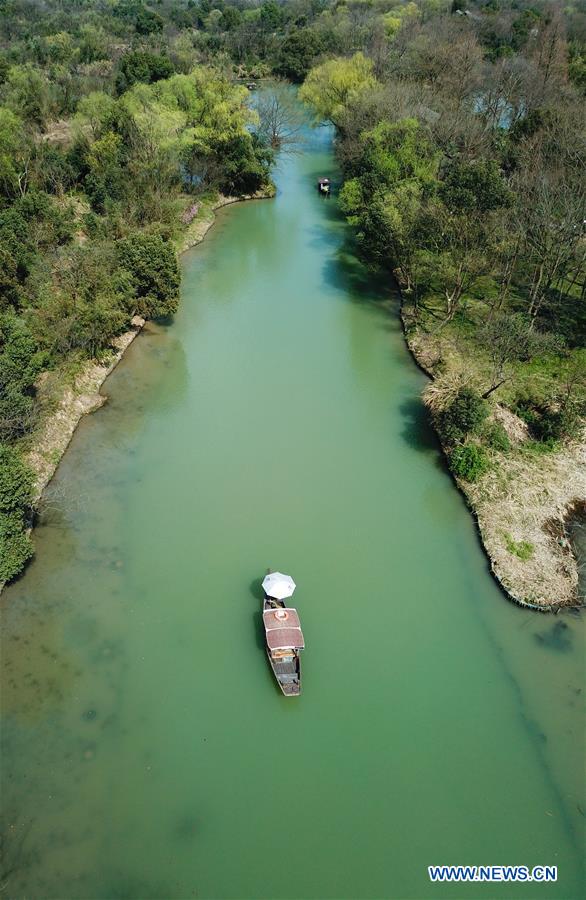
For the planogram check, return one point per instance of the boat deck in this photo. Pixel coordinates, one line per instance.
(285, 668)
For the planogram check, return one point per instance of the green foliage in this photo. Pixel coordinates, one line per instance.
(298, 52)
(16, 486)
(271, 15)
(246, 164)
(464, 416)
(231, 18)
(32, 225)
(141, 65)
(577, 69)
(16, 481)
(20, 363)
(154, 274)
(398, 151)
(394, 172)
(476, 186)
(497, 438)
(550, 423)
(331, 85)
(469, 461)
(12, 144)
(148, 22)
(106, 178)
(524, 550)
(15, 545)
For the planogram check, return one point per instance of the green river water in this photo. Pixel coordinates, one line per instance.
(146, 750)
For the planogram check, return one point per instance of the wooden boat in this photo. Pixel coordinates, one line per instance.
(324, 186)
(284, 641)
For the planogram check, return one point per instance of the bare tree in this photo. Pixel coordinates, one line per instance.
(281, 119)
(509, 339)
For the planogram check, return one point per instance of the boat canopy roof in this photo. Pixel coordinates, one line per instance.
(283, 630)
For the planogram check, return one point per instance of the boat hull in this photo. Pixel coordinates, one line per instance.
(287, 674)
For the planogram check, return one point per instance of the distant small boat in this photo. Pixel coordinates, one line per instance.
(284, 638)
(324, 186)
(251, 85)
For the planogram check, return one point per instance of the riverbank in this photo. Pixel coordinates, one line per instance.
(83, 395)
(67, 401)
(206, 216)
(521, 505)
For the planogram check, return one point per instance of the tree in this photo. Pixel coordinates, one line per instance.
(141, 65)
(153, 270)
(464, 416)
(16, 488)
(271, 15)
(148, 22)
(20, 363)
(509, 338)
(28, 94)
(93, 112)
(280, 119)
(297, 54)
(330, 86)
(14, 155)
(476, 187)
(397, 169)
(231, 18)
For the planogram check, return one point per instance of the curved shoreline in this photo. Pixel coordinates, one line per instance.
(525, 589)
(84, 396)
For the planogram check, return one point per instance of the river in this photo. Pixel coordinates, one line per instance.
(146, 750)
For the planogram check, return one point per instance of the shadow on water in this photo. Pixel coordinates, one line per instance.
(557, 638)
(347, 274)
(259, 632)
(418, 432)
(256, 589)
(257, 592)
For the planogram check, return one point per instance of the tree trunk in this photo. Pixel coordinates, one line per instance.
(491, 390)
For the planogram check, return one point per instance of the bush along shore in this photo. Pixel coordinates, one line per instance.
(470, 191)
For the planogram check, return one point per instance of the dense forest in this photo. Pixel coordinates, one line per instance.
(460, 133)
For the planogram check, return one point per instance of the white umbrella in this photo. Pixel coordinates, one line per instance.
(278, 585)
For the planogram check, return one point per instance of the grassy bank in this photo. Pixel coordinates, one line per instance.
(524, 490)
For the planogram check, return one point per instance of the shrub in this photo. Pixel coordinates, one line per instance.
(152, 266)
(20, 363)
(562, 424)
(469, 461)
(497, 437)
(141, 65)
(16, 486)
(16, 481)
(550, 425)
(464, 416)
(15, 545)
